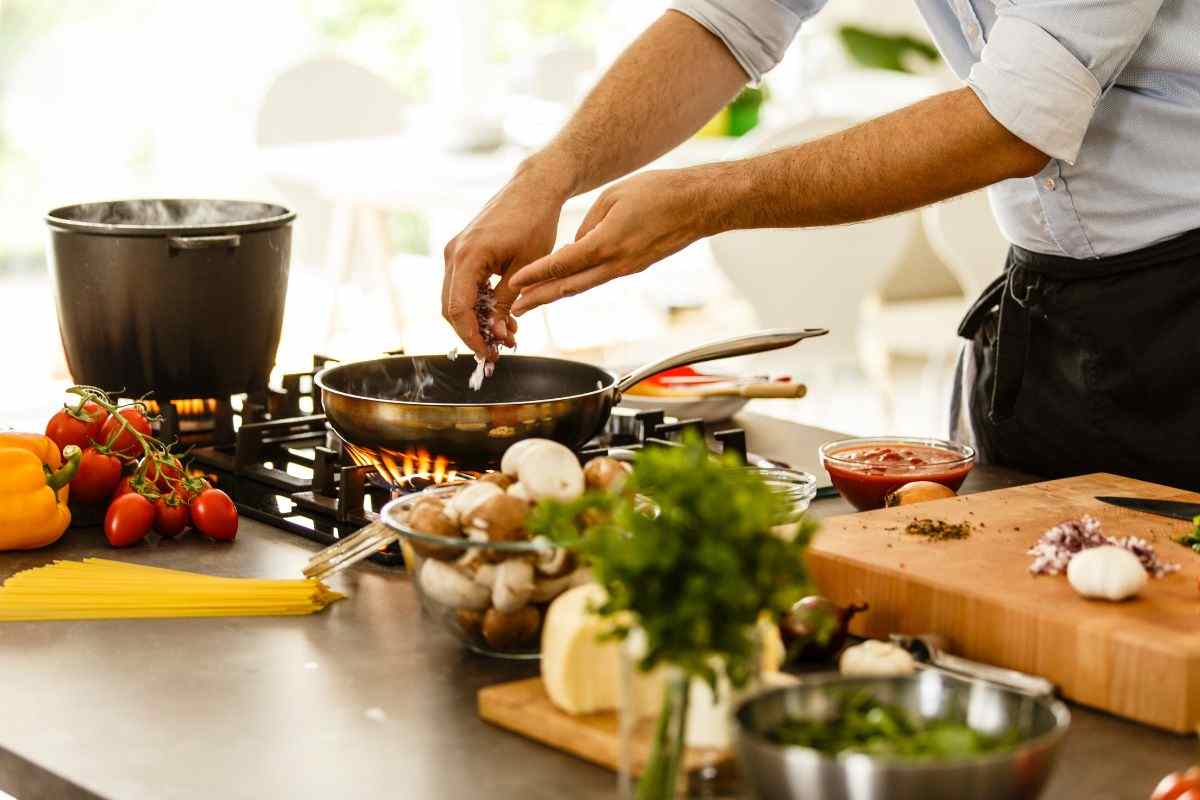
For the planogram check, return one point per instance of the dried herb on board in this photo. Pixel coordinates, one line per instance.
(938, 529)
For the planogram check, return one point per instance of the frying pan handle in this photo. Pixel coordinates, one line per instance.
(759, 342)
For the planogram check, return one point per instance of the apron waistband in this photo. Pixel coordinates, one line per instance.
(1018, 293)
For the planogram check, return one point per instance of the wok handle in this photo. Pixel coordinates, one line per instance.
(759, 342)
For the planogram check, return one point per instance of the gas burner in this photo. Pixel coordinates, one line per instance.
(273, 452)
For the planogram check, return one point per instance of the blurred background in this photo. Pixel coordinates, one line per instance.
(387, 123)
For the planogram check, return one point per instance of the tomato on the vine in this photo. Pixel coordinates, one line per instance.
(1179, 786)
(128, 520)
(170, 516)
(121, 441)
(65, 427)
(97, 478)
(215, 515)
(162, 475)
(123, 487)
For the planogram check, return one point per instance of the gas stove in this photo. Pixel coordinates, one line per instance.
(274, 454)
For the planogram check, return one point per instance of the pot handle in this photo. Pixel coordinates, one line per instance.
(759, 342)
(203, 242)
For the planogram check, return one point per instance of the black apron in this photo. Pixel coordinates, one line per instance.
(1091, 365)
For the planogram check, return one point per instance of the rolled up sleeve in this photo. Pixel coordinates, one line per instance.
(1047, 63)
(757, 32)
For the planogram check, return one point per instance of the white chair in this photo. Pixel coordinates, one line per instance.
(812, 277)
(963, 235)
(329, 100)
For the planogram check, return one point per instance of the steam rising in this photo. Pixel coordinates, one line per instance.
(170, 213)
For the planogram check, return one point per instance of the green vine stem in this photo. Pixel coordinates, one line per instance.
(153, 451)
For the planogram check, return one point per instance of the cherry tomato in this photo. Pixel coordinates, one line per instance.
(170, 520)
(123, 487)
(97, 478)
(163, 476)
(128, 520)
(64, 429)
(1179, 786)
(121, 441)
(215, 515)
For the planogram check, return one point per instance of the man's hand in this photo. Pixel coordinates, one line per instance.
(517, 226)
(938, 148)
(632, 225)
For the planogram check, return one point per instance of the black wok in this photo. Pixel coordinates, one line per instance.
(404, 401)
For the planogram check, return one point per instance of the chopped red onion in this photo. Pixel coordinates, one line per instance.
(485, 310)
(1055, 548)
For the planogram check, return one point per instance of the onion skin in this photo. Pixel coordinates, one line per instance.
(816, 628)
(917, 492)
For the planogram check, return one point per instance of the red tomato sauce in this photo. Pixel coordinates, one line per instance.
(866, 475)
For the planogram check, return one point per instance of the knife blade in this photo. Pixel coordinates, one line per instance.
(1164, 508)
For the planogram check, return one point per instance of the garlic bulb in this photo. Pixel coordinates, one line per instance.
(1107, 573)
(876, 659)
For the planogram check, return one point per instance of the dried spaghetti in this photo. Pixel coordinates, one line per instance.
(97, 588)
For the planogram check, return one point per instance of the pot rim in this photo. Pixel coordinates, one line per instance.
(57, 221)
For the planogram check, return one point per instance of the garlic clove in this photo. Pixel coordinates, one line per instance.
(1106, 573)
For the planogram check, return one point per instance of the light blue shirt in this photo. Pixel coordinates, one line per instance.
(1109, 89)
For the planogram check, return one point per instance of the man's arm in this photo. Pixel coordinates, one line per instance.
(661, 90)
(939, 148)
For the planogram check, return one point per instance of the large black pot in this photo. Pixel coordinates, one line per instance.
(183, 298)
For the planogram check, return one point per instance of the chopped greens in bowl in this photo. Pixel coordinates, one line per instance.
(864, 724)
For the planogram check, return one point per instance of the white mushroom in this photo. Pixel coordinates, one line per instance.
(553, 562)
(468, 499)
(510, 462)
(517, 490)
(485, 575)
(551, 473)
(547, 589)
(446, 585)
(513, 586)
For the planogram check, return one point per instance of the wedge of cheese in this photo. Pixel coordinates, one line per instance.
(581, 670)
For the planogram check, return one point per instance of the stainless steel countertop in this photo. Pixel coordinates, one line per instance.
(366, 700)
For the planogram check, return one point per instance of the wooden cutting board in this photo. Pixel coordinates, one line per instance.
(524, 707)
(1139, 658)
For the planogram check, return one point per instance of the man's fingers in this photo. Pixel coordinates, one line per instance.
(463, 276)
(549, 291)
(564, 262)
(595, 214)
(503, 324)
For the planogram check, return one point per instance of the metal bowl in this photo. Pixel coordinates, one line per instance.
(779, 772)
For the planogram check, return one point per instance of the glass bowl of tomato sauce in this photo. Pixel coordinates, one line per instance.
(867, 469)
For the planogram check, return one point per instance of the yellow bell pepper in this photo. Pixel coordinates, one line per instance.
(33, 490)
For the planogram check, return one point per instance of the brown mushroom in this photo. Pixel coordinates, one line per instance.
(501, 517)
(470, 621)
(498, 478)
(428, 516)
(606, 474)
(509, 631)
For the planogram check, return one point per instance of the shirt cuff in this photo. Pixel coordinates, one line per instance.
(1034, 87)
(757, 32)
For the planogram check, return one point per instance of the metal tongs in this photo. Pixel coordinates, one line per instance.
(363, 543)
(929, 651)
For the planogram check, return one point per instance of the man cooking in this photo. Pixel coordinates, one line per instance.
(1081, 115)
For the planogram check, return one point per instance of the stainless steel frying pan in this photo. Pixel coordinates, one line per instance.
(403, 401)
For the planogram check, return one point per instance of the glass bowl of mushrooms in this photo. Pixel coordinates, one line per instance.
(477, 569)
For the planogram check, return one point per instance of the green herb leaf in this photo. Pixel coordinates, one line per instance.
(698, 573)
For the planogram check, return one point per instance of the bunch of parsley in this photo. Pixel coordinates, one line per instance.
(698, 570)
